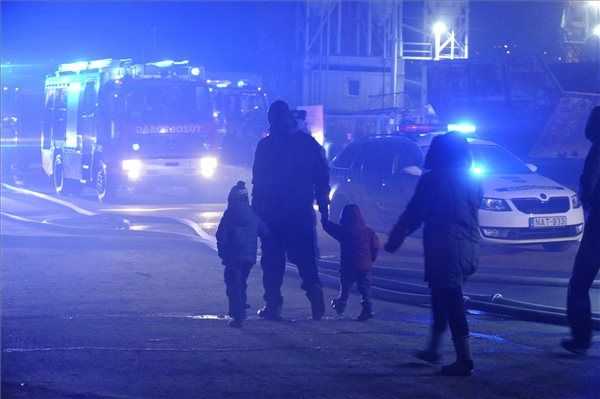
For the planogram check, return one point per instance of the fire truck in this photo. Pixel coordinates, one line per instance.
(115, 125)
(240, 111)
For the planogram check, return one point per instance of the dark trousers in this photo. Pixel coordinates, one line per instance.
(448, 307)
(296, 243)
(585, 270)
(363, 283)
(236, 282)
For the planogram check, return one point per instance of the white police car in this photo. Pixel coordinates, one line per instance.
(520, 206)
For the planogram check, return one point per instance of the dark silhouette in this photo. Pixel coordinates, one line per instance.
(446, 201)
(587, 261)
(237, 245)
(290, 172)
(359, 246)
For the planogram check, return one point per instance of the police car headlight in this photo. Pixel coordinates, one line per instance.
(494, 204)
(575, 203)
(133, 168)
(208, 166)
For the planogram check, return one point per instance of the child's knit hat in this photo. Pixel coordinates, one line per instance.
(238, 192)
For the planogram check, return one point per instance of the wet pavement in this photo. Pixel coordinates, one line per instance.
(131, 317)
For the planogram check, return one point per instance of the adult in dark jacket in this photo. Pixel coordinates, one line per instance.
(587, 261)
(237, 247)
(359, 247)
(446, 201)
(290, 172)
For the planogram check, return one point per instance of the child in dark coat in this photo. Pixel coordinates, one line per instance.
(237, 245)
(359, 246)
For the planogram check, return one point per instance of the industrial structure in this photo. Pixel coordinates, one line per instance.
(355, 53)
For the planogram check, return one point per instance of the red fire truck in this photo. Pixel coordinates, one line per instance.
(116, 125)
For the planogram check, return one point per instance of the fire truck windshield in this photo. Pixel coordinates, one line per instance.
(158, 101)
(237, 105)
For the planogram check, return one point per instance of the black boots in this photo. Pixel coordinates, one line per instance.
(463, 367)
(317, 302)
(366, 313)
(338, 305)
(270, 313)
(432, 353)
(575, 346)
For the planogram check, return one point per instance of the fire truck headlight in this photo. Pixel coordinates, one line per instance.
(208, 166)
(133, 168)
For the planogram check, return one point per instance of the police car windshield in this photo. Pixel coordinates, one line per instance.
(494, 159)
(166, 102)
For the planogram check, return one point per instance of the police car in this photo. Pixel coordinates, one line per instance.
(519, 206)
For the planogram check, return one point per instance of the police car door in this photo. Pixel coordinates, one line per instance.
(398, 187)
(375, 178)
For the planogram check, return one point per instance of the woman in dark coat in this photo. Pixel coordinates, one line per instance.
(446, 201)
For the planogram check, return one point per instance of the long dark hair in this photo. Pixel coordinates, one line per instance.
(448, 151)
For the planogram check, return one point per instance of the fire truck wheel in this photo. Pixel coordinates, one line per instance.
(104, 188)
(63, 185)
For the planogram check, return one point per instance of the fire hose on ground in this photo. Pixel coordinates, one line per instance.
(416, 294)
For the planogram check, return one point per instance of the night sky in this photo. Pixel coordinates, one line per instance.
(225, 36)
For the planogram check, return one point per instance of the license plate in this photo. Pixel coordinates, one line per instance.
(547, 221)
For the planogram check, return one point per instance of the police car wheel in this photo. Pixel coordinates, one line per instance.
(557, 246)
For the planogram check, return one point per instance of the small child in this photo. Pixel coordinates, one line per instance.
(359, 246)
(237, 245)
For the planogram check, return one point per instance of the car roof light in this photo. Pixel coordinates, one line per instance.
(477, 170)
(462, 127)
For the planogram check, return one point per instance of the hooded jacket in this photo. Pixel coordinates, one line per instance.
(237, 233)
(589, 183)
(446, 201)
(359, 244)
(290, 172)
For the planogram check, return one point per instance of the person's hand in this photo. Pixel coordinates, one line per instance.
(324, 214)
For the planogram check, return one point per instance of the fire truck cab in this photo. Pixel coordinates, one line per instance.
(114, 125)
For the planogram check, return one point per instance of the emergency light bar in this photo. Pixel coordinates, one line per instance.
(462, 127)
(221, 84)
(119, 68)
(168, 63)
(91, 65)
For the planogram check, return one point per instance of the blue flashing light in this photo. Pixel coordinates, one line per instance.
(195, 71)
(462, 127)
(242, 83)
(477, 170)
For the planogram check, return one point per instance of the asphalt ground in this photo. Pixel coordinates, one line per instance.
(131, 317)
